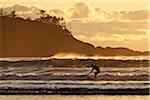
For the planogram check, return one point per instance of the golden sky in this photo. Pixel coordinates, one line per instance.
(105, 4)
(115, 23)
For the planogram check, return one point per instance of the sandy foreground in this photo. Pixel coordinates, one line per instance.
(73, 97)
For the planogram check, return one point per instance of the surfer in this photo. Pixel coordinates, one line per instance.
(96, 68)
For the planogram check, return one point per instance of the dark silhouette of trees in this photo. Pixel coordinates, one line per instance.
(28, 18)
(2, 12)
(13, 14)
(45, 17)
(62, 23)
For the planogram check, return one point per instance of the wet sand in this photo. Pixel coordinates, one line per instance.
(72, 97)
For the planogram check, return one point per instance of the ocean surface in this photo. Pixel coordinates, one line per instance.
(38, 76)
(5, 84)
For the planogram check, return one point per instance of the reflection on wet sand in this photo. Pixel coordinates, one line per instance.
(72, 97)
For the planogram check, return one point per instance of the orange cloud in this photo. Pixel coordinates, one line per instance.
(80, 10)
(56, 12)
(136, 15)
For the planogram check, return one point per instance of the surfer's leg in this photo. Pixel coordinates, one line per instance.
(95, 74)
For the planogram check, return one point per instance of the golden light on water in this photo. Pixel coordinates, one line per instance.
(69, 56)
(81, 56)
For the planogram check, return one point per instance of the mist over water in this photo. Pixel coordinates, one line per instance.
(75, 56)
(81, 56)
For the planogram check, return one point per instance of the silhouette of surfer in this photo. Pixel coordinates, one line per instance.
(97, 70)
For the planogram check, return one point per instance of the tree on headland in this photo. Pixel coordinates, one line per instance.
(2, 12)
(43, 13)
(28, 18)
(43, 17)
(13, 14)
(62, 23)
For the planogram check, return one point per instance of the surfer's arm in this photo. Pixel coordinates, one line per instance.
(92, 70)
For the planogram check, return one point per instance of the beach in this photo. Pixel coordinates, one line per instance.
(73, 97)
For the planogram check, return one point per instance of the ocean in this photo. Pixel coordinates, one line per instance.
(32, 75)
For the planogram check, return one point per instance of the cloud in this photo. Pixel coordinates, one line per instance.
(17, 8)
(23, 11)
(113, 27)
(136, 15)
(33, 12)
(56, 12)
(113, 33)
(116, 40)
(101, 37)
(101, 15)
(120, 28)
(80, 10)
(85, 12)
(124, 15)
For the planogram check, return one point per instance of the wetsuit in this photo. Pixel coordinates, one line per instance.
(97, 70)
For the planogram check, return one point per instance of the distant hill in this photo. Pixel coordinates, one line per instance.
(21, 37)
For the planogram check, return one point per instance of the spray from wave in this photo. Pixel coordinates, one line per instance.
(81, 56)
(75, 56)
